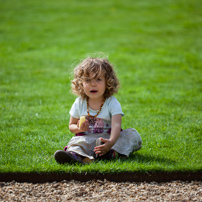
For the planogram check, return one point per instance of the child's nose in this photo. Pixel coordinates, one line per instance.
(93, 83)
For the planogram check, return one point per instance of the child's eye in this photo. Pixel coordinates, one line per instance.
(99, 79)
(87, 80)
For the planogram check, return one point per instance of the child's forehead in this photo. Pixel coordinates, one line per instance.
(96, 74)
(92, 74)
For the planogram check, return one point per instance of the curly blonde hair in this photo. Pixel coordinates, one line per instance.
(97, 67)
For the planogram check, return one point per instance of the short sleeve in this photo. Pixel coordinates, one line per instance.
(115, 107)
(74, 112)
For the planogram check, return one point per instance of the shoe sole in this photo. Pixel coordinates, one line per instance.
(98, 143)
(64, 157)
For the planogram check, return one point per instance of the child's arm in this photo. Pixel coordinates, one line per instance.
(115, 133)
(74, 125)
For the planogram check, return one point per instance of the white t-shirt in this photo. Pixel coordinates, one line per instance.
(102, 123)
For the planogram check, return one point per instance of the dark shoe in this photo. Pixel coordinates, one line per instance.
(67, 157)
(110, 154)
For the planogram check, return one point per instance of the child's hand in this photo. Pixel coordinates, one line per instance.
(84, 126)
(103, 149)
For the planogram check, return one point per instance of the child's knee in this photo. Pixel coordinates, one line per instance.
(135, 138)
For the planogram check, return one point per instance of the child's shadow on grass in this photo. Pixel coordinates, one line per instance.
(145, 158)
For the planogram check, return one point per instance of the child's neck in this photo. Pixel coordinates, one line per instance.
(95, 103)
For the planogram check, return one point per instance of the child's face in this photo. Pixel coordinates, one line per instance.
(95, 88)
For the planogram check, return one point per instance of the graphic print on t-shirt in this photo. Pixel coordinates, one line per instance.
(96, 125)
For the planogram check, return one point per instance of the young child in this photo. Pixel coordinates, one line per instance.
(100, 136)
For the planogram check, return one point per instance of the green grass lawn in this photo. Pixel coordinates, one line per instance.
(156, 47)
